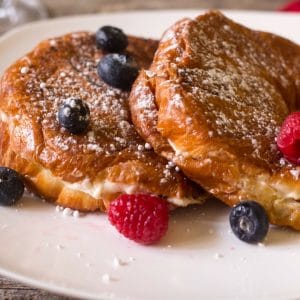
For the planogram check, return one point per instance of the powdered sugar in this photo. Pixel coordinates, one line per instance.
(110, 132)
(147, 146)
(109, 108)
(43, 85)
(295, 173)
(67, 212)
(222, 74)
(146, 104)
(24, 70)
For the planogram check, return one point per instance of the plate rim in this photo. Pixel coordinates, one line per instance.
(51, 287)
(30, 25)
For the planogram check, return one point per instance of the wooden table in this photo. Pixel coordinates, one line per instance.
(10, 289)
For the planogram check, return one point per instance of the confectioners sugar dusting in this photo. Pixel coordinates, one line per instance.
(74, 75)
(110, 127)
(234, 87)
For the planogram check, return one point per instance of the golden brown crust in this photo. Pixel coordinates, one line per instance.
(79, 171)
(215, 96)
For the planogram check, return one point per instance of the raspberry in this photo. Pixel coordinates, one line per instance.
(288, 140)
(142, 218)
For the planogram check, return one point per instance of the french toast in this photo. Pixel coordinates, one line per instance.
(80, 171)
(213, 102)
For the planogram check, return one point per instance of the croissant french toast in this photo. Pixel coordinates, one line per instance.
(81, 171)
(213, 102)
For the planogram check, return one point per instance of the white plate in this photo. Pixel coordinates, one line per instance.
(199, 258)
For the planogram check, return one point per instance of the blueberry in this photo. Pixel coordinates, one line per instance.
(249, 221)
(118, 70)
(111, 39)
(74, 115)
(11, 186)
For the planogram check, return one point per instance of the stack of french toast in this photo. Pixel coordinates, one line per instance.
(86, 117)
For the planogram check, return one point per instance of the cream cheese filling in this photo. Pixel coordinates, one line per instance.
(100, 189)
(263, 183)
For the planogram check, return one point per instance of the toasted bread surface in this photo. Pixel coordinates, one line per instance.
(213, 102)
(88, 170)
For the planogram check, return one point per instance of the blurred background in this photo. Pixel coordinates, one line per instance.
(66, 7)
(16, 12)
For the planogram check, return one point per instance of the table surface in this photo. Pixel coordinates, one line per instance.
(10, 289)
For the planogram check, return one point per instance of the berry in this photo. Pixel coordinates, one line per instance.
(111, 39)
(288, 139)
(74, 115)
(11, 186)
(142, 218)
(118, 70)
(249, 221)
